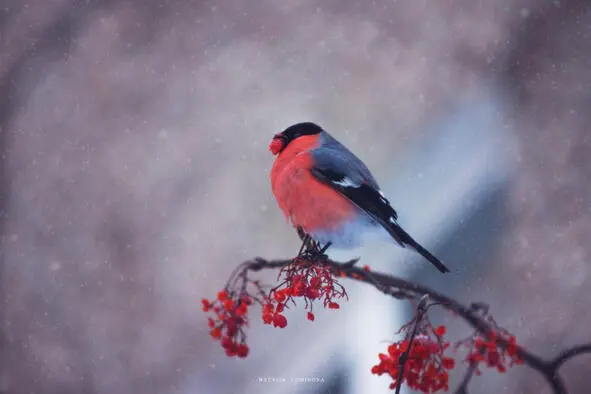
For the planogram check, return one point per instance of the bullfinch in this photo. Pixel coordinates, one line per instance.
(328, 193)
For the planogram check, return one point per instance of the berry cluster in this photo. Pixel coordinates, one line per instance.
(306, 281)
(488, 351)
(425, 368)
(227, 326)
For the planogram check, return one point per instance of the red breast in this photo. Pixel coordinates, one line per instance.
(309, 203)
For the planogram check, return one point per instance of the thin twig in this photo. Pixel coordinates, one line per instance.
(463, 387)
(421, 310)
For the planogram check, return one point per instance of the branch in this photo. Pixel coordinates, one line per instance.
(567, 354)
(401, 288)
(463, 387)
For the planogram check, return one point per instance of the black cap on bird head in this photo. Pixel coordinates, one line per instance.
(281, 140)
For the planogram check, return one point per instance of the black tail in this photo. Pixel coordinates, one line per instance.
(404, 239)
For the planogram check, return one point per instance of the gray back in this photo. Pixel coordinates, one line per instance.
(335, 156)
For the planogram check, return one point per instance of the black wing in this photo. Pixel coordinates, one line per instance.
(376, 206)
(363, 195)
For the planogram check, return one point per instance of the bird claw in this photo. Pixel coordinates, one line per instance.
(301, 233)
(314, 255)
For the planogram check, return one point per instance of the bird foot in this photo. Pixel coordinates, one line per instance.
(314, 255)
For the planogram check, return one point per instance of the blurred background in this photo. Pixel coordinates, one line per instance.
(134, 178)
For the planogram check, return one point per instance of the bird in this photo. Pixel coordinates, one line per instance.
(329, 194)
